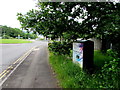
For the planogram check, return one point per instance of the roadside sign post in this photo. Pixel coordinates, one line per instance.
(83, 52)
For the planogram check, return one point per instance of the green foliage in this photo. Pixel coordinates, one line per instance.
(100, 59)
(61, 19)
(41, 38)
(112, 53)
(11, 32)
(8, 33)
(6, 37)
(31, 36)
(57, 18)
(68, 73)
(60, 48)
(112, 70)
(109, 76)
(50, 20)
(71, 76)
(116, 47)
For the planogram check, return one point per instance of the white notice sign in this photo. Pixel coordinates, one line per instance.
(78, 53)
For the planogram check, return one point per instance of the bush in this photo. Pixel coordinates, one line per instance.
(41, 38)
(112, 53)
(60, 48)
(109, 76)
(6, 37)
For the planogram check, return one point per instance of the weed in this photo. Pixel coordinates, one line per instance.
(70, 75)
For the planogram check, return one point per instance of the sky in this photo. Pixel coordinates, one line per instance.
(10, 8)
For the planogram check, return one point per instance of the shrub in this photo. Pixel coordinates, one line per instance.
(6, 37)
(41, 38)
(110, 74)
(60, 48)
(112, 53)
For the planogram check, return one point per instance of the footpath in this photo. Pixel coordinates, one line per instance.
(34, 72)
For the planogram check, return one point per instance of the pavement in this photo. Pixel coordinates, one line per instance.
(33, 72)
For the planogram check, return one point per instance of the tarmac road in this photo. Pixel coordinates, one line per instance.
(34, 71)
(11, 52)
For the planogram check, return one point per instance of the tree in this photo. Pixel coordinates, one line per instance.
(51, 20)
(60, 19)
(8, 32)
(102, 22)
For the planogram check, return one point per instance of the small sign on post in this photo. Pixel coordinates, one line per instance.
(83, 52)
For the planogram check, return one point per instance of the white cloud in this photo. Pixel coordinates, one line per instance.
(10, 8)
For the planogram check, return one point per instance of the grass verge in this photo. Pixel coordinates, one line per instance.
(100, 59)
(71, 76)
(67, 73)
(13, 41)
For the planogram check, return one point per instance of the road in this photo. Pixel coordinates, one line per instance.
(11, 52)
(34, 71)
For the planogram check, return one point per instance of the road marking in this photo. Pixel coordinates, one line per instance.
(10, 66)
(17, 61)
(20, 58)
(36, 49)
(5, 72)
(23, 56)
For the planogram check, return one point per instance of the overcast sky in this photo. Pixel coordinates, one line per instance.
(9, 9)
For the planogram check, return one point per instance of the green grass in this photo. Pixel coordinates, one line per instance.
(70, 75)
(13, 41)
(100, 59)
(66, 71)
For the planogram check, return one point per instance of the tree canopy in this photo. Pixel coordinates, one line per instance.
(72, 20)
(61, 18)
(8, 32)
